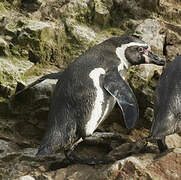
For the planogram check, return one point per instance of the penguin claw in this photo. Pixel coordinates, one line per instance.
(162, 154)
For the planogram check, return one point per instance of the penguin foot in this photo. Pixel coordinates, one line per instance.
(162, 154)
(162, 145)
(106, 138)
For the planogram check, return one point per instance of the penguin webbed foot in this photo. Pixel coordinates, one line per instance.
(106, 138)
(162, 145)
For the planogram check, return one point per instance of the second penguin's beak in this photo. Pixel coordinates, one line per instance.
(153, 58)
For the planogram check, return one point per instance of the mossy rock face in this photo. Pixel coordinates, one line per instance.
(3, 8)
(30, 5)
(123, 10)
(80, 10)
(11, 71)
(42, 41)
(102, 12)
(143, 80)
(170, 11)
(151, 5)
(4, 48)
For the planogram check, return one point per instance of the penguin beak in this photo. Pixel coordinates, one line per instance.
(153, 58)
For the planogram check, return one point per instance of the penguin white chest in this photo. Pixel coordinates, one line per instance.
(97, 111)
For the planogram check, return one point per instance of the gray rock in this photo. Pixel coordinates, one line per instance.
(33, 100)
(172, 41)
(150, 32)
(82, 33)
(7, 147)
(173, 141)
(27, 177)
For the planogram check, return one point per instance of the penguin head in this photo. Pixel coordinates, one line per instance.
(138, 53)
(133, 51)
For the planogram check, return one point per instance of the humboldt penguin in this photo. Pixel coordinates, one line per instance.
(88, 89)
(167, 114)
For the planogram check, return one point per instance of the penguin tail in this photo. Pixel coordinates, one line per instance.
(48, 76)
(43, 151)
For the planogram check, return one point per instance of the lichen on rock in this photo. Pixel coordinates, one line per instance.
(11, 71)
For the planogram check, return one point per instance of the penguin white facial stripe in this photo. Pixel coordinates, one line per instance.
(97, 109)
(120, 52)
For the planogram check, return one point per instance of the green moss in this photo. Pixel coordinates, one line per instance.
(4, 6)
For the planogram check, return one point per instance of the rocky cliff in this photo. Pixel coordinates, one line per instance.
(39, 37)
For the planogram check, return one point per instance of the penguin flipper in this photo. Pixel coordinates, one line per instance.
(47, 76)
(124, 95)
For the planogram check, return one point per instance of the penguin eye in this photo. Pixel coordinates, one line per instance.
(141, 49)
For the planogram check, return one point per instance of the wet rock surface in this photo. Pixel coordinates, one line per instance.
(40, 37)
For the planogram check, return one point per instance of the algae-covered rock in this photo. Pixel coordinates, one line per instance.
(170, 11)
(80, 10)
(4, 47)
(30, 6)
(11, 71)
(102, 11)
(151, 5)
(42, 40)
(143, 79)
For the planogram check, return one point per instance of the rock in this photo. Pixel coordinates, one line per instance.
(30, 6)
(33, 100)
(25, 178)
(102, 14)
(7, 147)
(173, 141)
(151, 5)
(150, 32)
(82, 33)
(127, 149)
(3, 10)
(142, 166)
(170, 10)
(11, 71)
(2, 25)
(42, 41)
(143, 79)
(123, 10)
(80, 38)
(4, 48)
(166, 167)
(80, 10)
(172, 41)
(76, 172)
